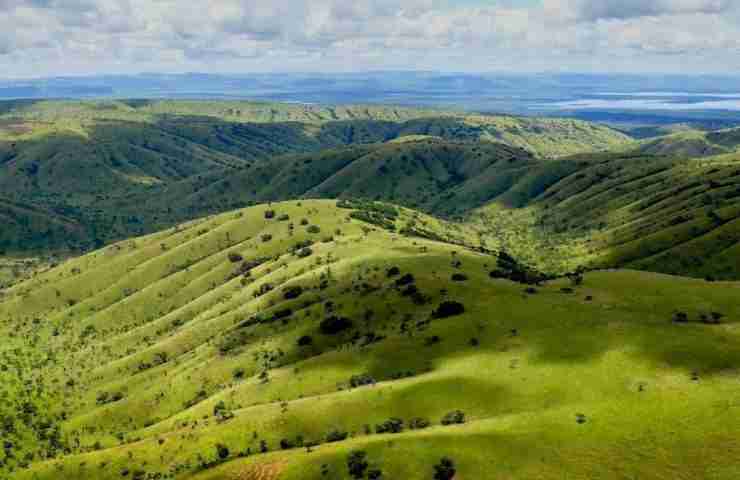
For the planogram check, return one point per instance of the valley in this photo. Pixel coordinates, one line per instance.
(229, 290)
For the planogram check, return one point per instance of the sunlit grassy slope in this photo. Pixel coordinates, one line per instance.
(694, 143)
(672, 215)
(228, 348)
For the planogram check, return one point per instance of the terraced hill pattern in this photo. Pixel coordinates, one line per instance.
(278, 340)
(243, 291)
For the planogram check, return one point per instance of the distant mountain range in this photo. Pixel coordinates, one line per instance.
(549, 94)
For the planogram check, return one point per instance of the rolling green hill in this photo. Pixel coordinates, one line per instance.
(78, 159)
(670, 215)
(299, 341)
(694, 143)
(438, 176)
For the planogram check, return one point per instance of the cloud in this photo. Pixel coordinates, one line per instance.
(592, 10)
(46, 36)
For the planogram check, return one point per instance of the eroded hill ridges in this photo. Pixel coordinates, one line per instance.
(677, 216)
(668, 214)
(694, 143)
(182, 351)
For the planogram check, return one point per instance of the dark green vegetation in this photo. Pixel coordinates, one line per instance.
(69, 169)
(677, 216)
(256, 345)
(693, 143)
(78, 175)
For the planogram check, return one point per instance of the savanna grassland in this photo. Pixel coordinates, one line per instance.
(255, 344)
(249, 291)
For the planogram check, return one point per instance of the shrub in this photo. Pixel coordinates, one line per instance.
(304, 221)
(459, 277)
(374, 474)
(393, 272)
(453, 418)
(269, 214)
(235, 257)
(361, 380)
(284, 217)
(680, 317)
(336, 436)
(357, 464)
(282, 314)
(305, 341)
(419, 423)
(392, 425)
(266, 237)
(223, 451)
(407, 279)
(433, 340)
(448, 309)
(334, 325)
(445, 469)
(313, 229)
(304, 252)
(293, 292)
(286, 444)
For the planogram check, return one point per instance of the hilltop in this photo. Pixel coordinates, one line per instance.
(311, 339)
(694, 143)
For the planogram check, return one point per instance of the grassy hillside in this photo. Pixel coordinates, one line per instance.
(437, 176)
(678, 216)
(348, 124)
(694, 143)
(76, 159)
(257, 345)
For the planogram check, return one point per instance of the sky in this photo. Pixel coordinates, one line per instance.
(88, 37)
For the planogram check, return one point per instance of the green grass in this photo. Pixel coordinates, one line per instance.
(80, 164)
(166, 321)
(694, 143)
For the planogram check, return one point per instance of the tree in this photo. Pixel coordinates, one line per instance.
(357, 464)
(453, 418)
(445, 469)
(448, 309)
(223, 451)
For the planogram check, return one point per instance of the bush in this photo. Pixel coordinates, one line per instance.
(407, 279)
(235, 257)
(304, 252)
(393, 272)
(334, 325)
(680, 317)
(453, 418)
(305, 341)
(314, 229)
(286, 444)
(419, 423)
(433, 340)
(445, 469)
(459, 277)
(336, 436)
(448, 309)
(284, 217)
(304, 221)
(357, 464)
(292, 292)
(266, 237)
(392, 425)
(223, 451)
(269, 214)
(361, 380)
